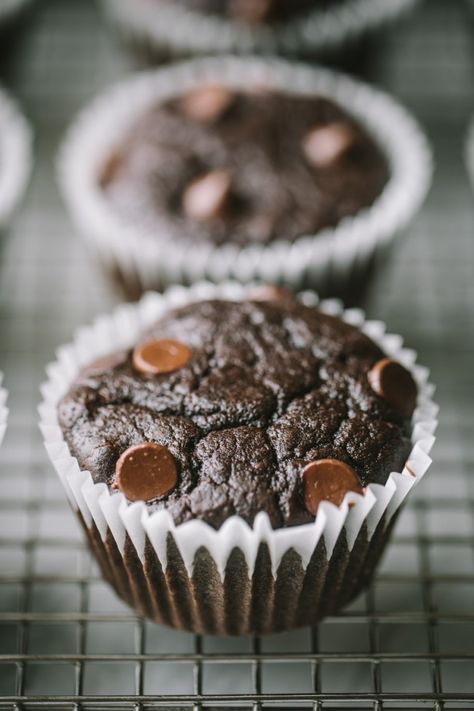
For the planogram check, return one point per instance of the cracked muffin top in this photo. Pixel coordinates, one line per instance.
(229, 408)
(218, 166)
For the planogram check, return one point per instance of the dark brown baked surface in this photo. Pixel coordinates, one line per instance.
(269, 387)
(270, 180)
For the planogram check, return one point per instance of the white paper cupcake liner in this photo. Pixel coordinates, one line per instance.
(329, 260)
(353, 531)
(15, 156)
(169, 29)
(3, 410)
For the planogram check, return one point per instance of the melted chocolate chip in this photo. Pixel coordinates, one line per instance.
(395, 384)
(328, 480)
(207, 197)
(208, 104)
(145, 472)
(269, 292)
(110, 168)
(160, 356)
(324, 146)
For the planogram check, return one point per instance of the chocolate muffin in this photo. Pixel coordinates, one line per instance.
(203, 461)
(246, 169)
(235, 408)
(219, 166)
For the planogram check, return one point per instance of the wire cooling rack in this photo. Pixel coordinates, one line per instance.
(66, 642)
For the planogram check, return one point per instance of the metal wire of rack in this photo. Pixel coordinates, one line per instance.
(66, 642)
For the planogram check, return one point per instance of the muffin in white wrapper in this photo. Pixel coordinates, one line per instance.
(332, 260)
(236, 579)
(15, 157)
(164, 29)
(3, 409)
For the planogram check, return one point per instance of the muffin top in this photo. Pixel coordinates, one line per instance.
(228, 408)
(246, 167)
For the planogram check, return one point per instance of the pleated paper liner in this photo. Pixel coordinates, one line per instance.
(239, 579)
(3, 409)
(162, 30)
(469, 145)
(15, 157)
(333, 260)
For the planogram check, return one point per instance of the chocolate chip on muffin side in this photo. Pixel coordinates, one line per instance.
(228, 408)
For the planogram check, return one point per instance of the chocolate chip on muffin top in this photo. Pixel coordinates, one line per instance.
(230, 408)
(218, 165)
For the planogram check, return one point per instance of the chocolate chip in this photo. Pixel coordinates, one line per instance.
(107, 362)
(395, 384)
(269, 292)
(160, 356)
(323, 146)
(208, 104)
(328, 480)
(207, 197)
(110, 168)
(145, 471)
(252, 12)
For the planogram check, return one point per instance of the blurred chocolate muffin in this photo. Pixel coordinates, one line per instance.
(239, 168)
(243, 167)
